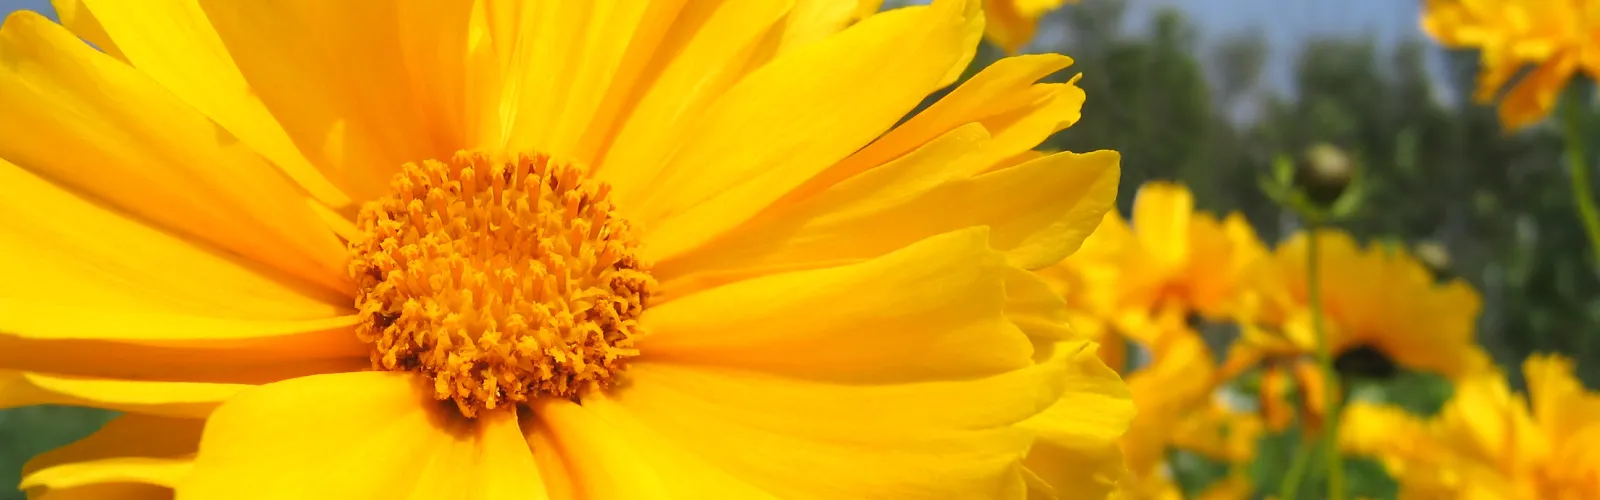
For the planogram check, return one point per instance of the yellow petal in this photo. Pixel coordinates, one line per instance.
(568, 58)
(836, 95)
(662, 35)
(102, 491)
(813, 20)
(1037, 310)
(109, 343)
(1038, 213)
(495, 463)
(1559, 401)
(1003, 97)
(84, 120)
(130, 448)
(935, 439)
(171, 399)
(361, 89)
(172, 42)
(932, 310)
(699, 59)
(163, 472)
(1535, 95)
(1007, 26)
(610, 454)
(1161, 217)
(77, 18)
(1076, 453)
(356, 435)
(62, 248)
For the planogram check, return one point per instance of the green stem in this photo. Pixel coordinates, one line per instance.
(1331, 394)
(1297, 470)
(1578, 168)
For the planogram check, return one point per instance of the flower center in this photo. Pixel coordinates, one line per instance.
(502, 280)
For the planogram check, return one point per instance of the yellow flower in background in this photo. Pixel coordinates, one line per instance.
(1559, 37)
(1220, 433)
(1173, 395)
(1377, 301)
(1374, 297)
(1177, 381)
(1012, 23)
(576, 249)
(1172, 262)
(1488, 443)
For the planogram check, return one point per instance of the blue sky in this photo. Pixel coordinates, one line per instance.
(1285, 23)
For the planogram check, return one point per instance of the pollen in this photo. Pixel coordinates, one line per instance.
(503, 280)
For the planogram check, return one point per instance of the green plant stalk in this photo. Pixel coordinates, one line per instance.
(1330, 422)
(1578, 169)
(1297, 470)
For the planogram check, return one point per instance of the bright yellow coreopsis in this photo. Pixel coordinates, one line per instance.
(545, 249)
(1559, 37)
(1374, 298)
(1488, 443)
(1176, 410)
(1166, 263)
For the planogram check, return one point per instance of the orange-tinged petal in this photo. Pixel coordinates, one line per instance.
(172, 42)
(162, 472)
(82, 119)
(130, 449)
(932, 310)
(1535, 95)
(345, 81)
(170, 399)
(131, 435)
(837, 95)
(102, 491)
(356, 435)
(275, 355)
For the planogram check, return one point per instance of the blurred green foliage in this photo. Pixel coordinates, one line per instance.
(25, 432)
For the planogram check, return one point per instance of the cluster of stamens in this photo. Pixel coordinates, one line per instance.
(503, 280)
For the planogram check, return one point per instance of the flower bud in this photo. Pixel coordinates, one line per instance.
(1323, 173)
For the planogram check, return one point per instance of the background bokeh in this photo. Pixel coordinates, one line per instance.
(1208, 92)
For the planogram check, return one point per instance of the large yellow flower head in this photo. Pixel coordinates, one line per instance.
(1376, 301)
(1488, 443)
(541, 249)
(1559, 37)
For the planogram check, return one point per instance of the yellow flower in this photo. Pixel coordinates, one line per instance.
(526, 249)
(1374, 297)
(1178, 380)
(1012, 23)
(1378, 302)
(1220, 433)
(1171, 263)
(1559, 36)
(1488, 443)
